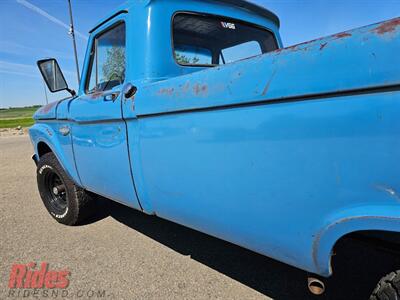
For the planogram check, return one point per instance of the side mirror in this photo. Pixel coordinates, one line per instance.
(53, 76)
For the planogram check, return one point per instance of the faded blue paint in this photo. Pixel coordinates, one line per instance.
(285, 73)
(282, 153)
(272, 177)
(48, 132)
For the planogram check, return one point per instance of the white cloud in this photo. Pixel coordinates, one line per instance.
(18, 69)
(27, 70)
(22, 50)
(49, 17)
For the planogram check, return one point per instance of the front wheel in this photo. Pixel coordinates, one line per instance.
(65, 201)
(388, 288)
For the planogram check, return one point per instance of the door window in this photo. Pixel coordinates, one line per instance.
(107, 60)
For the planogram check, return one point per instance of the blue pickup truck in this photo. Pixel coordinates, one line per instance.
(193, 111)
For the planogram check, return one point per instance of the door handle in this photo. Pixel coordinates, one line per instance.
(111, 96)
(129, 91)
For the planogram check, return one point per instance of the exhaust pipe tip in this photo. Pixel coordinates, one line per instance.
(316, 286)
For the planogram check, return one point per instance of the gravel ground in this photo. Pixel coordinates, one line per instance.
(6, 132)
(133, 256)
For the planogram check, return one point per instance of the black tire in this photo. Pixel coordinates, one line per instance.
(66, 202)
(388, 288)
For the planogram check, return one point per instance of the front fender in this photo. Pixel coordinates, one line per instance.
(60, 144)
(384, 217)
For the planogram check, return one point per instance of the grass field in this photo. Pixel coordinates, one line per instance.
(17, 116)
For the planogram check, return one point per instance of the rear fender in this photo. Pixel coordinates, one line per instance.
(55, 137)
(384, 218)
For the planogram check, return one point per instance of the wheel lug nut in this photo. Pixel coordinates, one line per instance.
(58, 189)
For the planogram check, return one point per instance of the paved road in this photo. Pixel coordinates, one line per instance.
(132, 256)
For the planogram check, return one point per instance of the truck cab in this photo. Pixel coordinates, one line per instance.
(141, 43)
(193, 111)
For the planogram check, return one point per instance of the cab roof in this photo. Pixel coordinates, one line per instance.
(246, 5)
(254, 8)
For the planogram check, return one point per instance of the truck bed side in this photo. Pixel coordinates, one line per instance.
(283, 153)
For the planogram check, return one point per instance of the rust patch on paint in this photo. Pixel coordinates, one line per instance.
(45, 109)
(387, 27)
(186, 87)
(132, 101)
(341, 35)
(200, 89)
(305, 46)
(293, 48)
(166, 91)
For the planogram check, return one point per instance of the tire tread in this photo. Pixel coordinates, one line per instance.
(388, 287)
(83, 200)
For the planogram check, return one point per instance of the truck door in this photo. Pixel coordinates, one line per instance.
(98, 129)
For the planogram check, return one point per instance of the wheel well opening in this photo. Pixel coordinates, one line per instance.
(361, 258)
(43, 148)
(380, 240)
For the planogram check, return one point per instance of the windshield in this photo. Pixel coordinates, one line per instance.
(202, 40)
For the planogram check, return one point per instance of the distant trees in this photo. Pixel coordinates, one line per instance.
(182, 59)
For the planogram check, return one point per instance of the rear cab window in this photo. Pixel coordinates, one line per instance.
(208, 40)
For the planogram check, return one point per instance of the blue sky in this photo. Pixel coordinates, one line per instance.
(27, 34)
